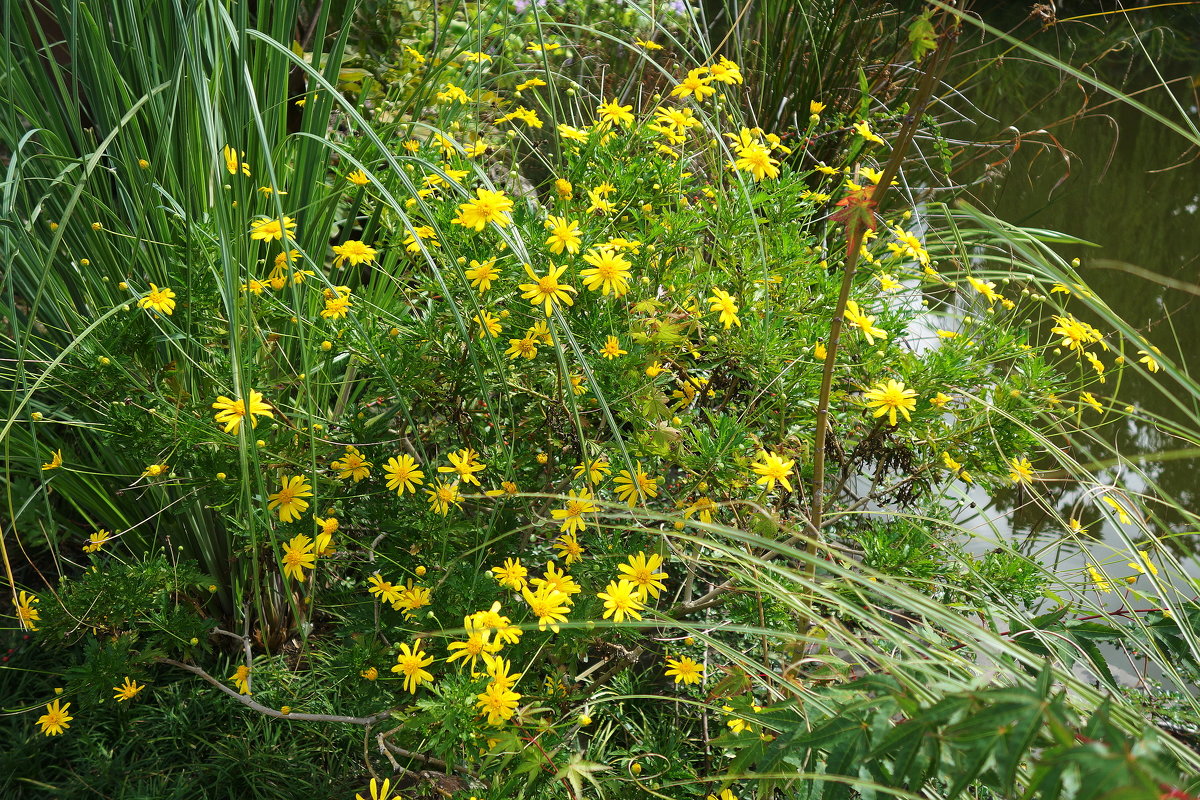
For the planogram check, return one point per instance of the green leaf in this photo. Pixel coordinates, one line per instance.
(1093, 630)
(577, 770)
(922, 37)
(1045, 621)
(735, 682)
(1099, 663)
(653, 405)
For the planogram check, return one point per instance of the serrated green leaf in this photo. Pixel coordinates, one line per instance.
(577, 770)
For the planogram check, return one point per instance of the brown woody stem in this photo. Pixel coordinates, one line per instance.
(854, 237)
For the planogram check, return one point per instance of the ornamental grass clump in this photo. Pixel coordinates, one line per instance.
(617, 507)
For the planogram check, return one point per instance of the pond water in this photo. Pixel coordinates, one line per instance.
(1111, 175)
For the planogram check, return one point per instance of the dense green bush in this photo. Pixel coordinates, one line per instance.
(445, 403)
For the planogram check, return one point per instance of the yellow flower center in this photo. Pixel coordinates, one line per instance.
(892, 397)
(755, 157)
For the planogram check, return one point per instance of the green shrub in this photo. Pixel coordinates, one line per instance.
(295, 446)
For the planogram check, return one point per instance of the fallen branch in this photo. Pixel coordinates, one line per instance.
(249, 702)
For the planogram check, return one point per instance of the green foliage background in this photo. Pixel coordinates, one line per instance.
(880, 653)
